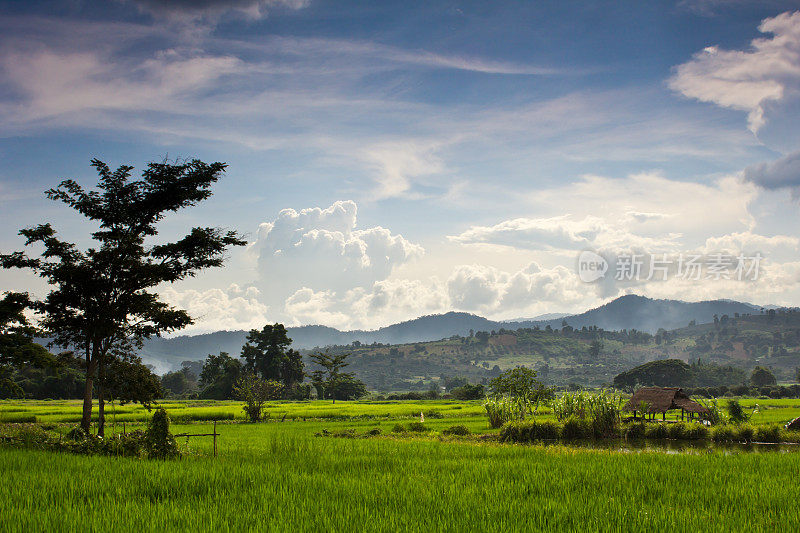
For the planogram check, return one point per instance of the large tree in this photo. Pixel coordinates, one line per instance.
(101, 300)
(219, 375)
(330, 381)
(268, 355)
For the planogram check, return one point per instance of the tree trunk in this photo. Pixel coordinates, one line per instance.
(91, 367)
(86, 419)
(101, 401)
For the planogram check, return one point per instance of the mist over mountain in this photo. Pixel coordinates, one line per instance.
(625, 312)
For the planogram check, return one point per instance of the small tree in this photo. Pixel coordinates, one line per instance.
(595, 348)
(521, 386)
(255, 392)
(762, 377)
(736, 413)
(159, 443)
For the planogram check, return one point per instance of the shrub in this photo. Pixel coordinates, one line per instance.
(697, 432)
(459, 430)
(530, 431)
(76, 433)
(715, 415)
(399, 428)
(26, 435)
(255, 392)
(546, 430)
(158, 441)
(434, 414)
(635, 430)
(677, 431)
(746, 433)
(656, 431)
(576, 428)
(128, 445)
(768, 434)
(723, 434)
(374, 432)
(736, 413)
(417, 427)
(468, 392)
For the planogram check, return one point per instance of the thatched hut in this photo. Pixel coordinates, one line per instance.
(663, 399)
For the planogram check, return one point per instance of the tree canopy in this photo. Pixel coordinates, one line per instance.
(101, 299)
(268, 355)
(762, 377)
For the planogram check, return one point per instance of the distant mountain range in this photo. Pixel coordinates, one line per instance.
(625, 312)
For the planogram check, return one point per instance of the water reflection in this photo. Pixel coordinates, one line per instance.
(678, 446)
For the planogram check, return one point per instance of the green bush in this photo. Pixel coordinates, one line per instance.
(656, 431)
(374, 432)
(697, 432)
(26, 435)
(746, 434)
(768, 434)
(736, 413)
(434, 414)
(459, 430)
(76, 433)
(724, 434)
(417, 427)
(530, 431)
(546, 430)
(576, 428)
(399, 428)
(635, 431)
(677, 431)
(158, 441)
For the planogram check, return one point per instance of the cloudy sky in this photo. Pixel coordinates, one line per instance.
(390, 160)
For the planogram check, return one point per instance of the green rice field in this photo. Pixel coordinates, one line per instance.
(278, 476)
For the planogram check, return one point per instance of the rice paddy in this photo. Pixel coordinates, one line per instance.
(278, 476)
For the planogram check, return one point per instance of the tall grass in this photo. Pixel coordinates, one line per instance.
(275, 477)
(601, 410)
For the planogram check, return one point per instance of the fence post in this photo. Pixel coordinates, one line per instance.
(215, 438)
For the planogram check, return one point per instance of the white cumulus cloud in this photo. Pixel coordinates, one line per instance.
(322, 250)
(217, 309)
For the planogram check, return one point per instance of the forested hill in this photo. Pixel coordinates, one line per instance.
(645, 314)
(626, 312)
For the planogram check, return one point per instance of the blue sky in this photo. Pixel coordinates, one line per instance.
(399, 159)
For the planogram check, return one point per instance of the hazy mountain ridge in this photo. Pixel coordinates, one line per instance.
(625, 312)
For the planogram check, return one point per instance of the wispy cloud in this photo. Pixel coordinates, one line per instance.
(747, 80)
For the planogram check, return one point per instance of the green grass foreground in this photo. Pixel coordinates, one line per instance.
(277, 476)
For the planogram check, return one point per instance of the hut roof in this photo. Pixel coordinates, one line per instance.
(662, 399)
